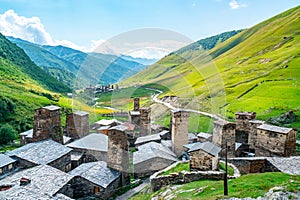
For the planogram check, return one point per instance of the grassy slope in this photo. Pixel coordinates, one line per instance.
(245, 186)
(258, 69)
(27, 94)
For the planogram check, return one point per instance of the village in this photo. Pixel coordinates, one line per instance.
(85, 161)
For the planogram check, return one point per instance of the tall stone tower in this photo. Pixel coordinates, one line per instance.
(117, 154)
(243, 126)
(136, 104)
(224, 131)
(47, 124)
(77, 124)
(145, 121)
(179, 130)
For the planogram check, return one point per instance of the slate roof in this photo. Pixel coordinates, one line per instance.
(192, 136)
(152, 150)
(40, 153)
(103, 128)
(148, 138)
(255, 121)
(66, 139)
(207, 146)
(134, 112)
(93, 141)
(273, 128)
(5, 160)
(45, 182)
(96, 172)
(130, 126)
(81, 113)
(163, 132)
(119, 128)
(238, 145)
(28, 133)
(204, 135)
(52, 107)
(107, 122)
(189, 146)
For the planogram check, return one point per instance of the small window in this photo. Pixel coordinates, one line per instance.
(0, 170)
(96, 189)
(10, 166)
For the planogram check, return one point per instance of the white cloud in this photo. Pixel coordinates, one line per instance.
(30, 29)
(235, 5)
(149, 53)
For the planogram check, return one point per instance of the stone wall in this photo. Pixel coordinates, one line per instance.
(118, 155)
(150, 166)
(83, 188)
(47, 124)
(91, 155)
(136, 104)
(224, 131)
(63, 163)
(158, 181)
(179, 131)
(253, 133)
(253, 165)
(242, 120)
(145, 121)
(275, 144)
(201, 160)
(77, 125)
(23, 164)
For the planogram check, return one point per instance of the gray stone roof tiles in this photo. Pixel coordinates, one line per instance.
(208, 147)
(119, 128)
(40, 153)
(93, 141)
(255, 121)
(52, 107)
(45, 182)
(148, 138)
(273, 128)
(204, 135)
(96, 172)
(28, 133)
(5, 160)
(151, 150)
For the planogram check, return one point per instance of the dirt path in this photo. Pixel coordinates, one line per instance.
(157, 100)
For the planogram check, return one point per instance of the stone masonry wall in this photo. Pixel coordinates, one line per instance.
(77, 126)
(202, 161)
(224, 131)
(47, 124)
(158, 181)
(63, 163)
(179, 132)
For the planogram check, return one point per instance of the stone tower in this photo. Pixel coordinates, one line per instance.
(224, 131)
(253, 137)
(136, 104)
(117, 153)
(179, 130)
(145, 121)
(77, 124)
(47, 124)
(243, 126)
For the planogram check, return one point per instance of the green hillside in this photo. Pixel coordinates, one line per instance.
(255, 70)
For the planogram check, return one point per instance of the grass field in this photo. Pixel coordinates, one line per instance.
(252, 185)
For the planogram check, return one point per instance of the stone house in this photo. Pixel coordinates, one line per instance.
(152, 157)
(7, 164)
(253, 134)
(204, 156)
(47, 124)
(203, 137)
(275, 141)
(224, 132)
(39, 182)
(105, 122)
(118, 152)
(179, 130)
(92, 147)
(148, 138)
(77, 124)
(94, 179)
(26, 137)
(242, 120)
(45, 152)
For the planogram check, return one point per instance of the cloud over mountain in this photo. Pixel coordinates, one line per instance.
(30, 29)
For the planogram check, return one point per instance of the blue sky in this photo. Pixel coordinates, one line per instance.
(82, 21)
